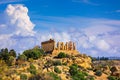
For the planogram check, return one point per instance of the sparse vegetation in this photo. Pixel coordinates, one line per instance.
(98, 72)
(56, 63)
(57, 70)
(32, 64)
(62, 55)
(75, 73)
(34, 53)
(32, 69)
(55, 76)
(23, 77)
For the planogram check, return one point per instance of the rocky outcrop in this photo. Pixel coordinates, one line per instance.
(115, 71)
(80, 60)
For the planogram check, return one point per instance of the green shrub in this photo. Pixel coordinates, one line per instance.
(0, 78)
(73, 69)
(55, 76)
(32, 69)
(64, 63)
(34, 53)
(23, 77)
(91, 78)
(112, 78)
(57, 70)
(98, 73)
(22, 57)
(77, 75)
(57, 62)
(62, 55)
(86, 74)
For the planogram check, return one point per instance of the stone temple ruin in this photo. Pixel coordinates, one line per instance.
(54, 48)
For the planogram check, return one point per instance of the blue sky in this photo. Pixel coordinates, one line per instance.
(94, 25)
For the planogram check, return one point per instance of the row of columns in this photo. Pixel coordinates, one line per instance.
(68, 46)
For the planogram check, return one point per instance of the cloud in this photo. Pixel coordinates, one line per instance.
(17, 20)
(117, 11)
(15, 27)
(103, 45)
(92, 35)
(9, 1)
(86, 2)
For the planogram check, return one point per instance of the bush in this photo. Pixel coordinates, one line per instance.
(77, 75)
(91, 78)
(73, 69)
(23, 77)
(56, 63)
(57, 70)
(112, 78)
(64, 63)
(62, 55)
(98, 73)
(55, 76)
(32, 69)
(22, 57)
(34, 53)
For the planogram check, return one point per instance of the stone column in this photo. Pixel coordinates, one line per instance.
(74, 46)
(58, 45)
(62, 46)
(54, 46)
(66, 45)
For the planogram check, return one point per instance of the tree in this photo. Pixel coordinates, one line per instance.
(22, 57)
(34, 53)
(11, 61)
(12, 52)
(4, 54)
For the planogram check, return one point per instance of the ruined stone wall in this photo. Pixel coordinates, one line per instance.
(48, 46)
(52, 47)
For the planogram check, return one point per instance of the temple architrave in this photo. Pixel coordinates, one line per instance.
(54, 48)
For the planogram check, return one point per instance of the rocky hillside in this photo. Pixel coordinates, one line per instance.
(33, 64)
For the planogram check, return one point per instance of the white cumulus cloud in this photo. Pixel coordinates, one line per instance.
(18, 22)
(16, 28)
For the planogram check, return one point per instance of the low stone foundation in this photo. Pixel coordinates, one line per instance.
(69, 52)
